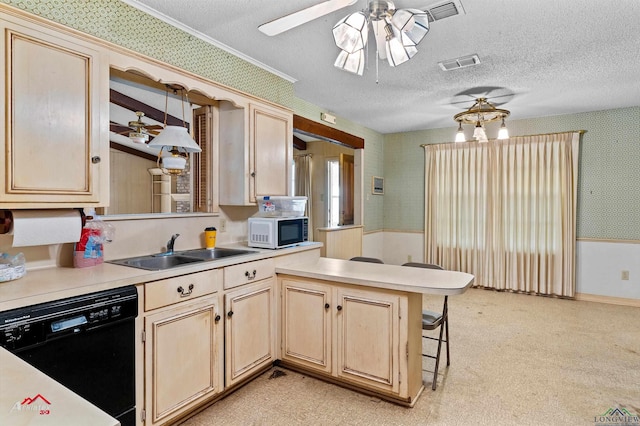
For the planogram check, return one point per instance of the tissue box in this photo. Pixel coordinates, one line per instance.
(281, 206)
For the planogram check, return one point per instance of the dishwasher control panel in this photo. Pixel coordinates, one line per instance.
(33, 325)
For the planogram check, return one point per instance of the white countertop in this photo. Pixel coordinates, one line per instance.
(30, 397)
(44, 285)
(393, 277)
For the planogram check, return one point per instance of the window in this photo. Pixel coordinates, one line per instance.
(333, 192)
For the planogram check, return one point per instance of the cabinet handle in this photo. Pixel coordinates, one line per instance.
(326, 306)
(96, 159)
(250, 276)
(182, 292)
(230, 314)
(253, 174)
(339, 307)
(217, 318)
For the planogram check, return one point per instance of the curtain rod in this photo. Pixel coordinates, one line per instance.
(582, 132)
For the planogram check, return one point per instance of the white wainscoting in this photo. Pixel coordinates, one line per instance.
(600, 266)
(598, 270)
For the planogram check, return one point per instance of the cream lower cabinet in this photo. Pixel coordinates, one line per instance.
(55, 93)
(357, 336)
(249, 329)
(183, 345)
(306, 324)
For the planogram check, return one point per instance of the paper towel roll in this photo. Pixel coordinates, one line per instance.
(42, 227)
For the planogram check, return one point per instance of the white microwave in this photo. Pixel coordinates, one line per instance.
(277, 232)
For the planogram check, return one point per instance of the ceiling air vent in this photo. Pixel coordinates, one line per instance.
(444, 10)
(462, 62)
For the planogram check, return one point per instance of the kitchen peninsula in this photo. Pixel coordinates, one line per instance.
(359, 324)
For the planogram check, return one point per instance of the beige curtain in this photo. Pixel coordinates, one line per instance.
(505, 211)
(303, 184)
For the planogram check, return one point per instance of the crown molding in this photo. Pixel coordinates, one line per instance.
(169, 20)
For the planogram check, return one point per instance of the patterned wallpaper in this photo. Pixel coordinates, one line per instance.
(119, 23)
(608, 183)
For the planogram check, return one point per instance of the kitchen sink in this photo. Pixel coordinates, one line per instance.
(156, 262)
(215, 253)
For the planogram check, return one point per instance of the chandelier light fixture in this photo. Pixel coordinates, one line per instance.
(480, 113)
(176, 142)
(397, 33)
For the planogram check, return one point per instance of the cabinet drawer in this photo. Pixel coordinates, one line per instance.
(186, 287)
(249, 272)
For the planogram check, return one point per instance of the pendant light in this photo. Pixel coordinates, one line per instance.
(176, 142)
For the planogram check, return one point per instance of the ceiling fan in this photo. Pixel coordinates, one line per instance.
(141, 130)
(397, 31)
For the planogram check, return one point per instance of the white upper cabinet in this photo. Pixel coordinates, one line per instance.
(260, 164)
(55, 101)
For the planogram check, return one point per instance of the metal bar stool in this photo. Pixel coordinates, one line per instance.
(432, 320)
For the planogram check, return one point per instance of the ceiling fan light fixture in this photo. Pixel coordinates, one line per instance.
(138, 137)
(350, 33)
(351, 62)
(399, 49)
(397, 33)
(413, 23)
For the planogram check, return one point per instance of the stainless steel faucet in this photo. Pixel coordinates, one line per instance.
(170, 243)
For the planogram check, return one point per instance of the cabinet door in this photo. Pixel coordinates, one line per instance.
(306, 324)
(56, 94)
(183, 358)
(250, 329)
(368, 338)
(271, 137)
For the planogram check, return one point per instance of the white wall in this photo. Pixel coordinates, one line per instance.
(599, 264)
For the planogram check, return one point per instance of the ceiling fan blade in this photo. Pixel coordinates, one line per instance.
(303, 16)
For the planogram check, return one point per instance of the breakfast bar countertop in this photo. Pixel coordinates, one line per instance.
(386, 276)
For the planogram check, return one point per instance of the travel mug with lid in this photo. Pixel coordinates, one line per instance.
(210, 237)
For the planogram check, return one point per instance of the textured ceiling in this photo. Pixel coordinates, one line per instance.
(538, 58)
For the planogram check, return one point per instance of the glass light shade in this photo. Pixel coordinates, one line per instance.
(174, 162)
(413, 23)
(503, 133)
(352, 62)
(399, 48)
(175, 136)
(138, 137)
(479, 134)
(351, 33)
(460, 137)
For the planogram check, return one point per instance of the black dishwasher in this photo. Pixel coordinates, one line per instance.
(86, 343)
